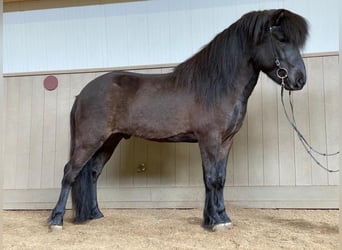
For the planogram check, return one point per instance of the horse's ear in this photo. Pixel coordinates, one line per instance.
(277, 17)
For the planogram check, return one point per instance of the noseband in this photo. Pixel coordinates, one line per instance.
(281, 71)
(282, 74)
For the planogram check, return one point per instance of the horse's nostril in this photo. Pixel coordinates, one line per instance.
(300, 81)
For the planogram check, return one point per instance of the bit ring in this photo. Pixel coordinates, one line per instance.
(281, 73)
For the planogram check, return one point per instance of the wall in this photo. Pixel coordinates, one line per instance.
(267, 165)
(140, 33)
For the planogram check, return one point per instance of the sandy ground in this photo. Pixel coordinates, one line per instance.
(175, 229)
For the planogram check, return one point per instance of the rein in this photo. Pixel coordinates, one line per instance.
(282, 75)
(308, 148)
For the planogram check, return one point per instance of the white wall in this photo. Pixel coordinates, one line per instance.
(141, 33)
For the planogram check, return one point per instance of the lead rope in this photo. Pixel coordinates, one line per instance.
(308, 148)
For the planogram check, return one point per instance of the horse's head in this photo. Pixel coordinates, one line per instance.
(278, 50)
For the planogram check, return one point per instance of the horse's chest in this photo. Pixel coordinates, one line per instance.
(235, 118)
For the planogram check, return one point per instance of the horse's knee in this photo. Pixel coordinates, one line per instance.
(209, 181)
(68, 180)
(67, 168)
(70, 176)
(215, 182)
(220, 180)
(95, 174)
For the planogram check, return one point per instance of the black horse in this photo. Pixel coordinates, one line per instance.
(203, 100)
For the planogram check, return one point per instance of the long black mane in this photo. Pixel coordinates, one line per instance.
(212, 71)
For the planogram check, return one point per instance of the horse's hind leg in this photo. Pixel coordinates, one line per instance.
(84, 190)
(79, 158)
(56, 217)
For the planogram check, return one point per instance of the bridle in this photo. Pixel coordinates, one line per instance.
(282, 74)
(281, 71)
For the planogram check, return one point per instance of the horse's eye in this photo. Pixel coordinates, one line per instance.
(280, 37)
(278, 34)
(282, 40)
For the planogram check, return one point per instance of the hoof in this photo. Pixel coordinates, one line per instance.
(96, 215)
(55, 228)
(222, 226)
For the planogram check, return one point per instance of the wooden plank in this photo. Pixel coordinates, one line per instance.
(140, 162)
(317, 117)
(255, 137)
(112, 167)
(3, 115)
(195, 166)
(287, 170)
(168, 164)
(62, 127)
(24, 129)
(153, 164)
(302, 159)
(270, 131)
(182, 164)
(331, 100)
(127, 163)
(177, 194)
(37, 125)
(11, 136)
(260, 197)
(49, 139)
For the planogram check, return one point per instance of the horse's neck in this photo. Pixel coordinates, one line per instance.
(244, 84)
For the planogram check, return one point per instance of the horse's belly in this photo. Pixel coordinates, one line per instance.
(182, 137)
(155, 125)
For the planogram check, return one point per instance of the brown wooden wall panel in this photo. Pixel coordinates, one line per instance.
(255, 138)
(265, 152)
(270, 131)
(331, 86)
(302, 159)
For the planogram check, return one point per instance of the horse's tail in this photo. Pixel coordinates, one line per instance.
(72, 127)
(82, 189)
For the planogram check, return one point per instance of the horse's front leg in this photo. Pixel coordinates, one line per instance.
(214, 161)
(219, 201)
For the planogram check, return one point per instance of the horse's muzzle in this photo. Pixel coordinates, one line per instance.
(297, 84)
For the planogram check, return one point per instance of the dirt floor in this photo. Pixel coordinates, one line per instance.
(175, 229)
